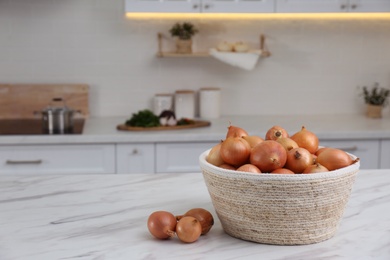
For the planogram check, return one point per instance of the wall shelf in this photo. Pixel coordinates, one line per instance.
(164, 54)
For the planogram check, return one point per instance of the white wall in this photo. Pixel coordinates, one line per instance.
(315, 67)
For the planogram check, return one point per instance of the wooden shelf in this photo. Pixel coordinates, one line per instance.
(163, 54)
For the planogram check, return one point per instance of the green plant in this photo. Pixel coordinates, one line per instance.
(183, 31)
(376, 95)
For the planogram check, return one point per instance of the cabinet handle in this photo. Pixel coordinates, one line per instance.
(135, 151)
(353, 6)
(349, 149)
(343, 6)
(24, 162)
(195, 7)
(206, 6)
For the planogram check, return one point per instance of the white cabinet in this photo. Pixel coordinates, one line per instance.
(135, 158)
(367, 150)
(58, 159)
(180, 157)
(331, 6)
(200, 6)
(385, 154)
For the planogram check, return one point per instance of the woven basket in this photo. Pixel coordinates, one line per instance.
(280, 209)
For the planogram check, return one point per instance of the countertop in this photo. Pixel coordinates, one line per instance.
(104, 217)
(103, 130)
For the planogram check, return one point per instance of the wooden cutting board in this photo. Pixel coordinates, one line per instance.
(21, 100)
(198, 123)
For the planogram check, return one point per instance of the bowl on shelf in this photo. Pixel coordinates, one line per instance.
(280, 209)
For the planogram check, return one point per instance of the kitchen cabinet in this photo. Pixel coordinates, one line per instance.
(57, 159)
(385, 154)
(200, 6)
(367, 150)
(135, 158)
(331, 6)
(180, 157)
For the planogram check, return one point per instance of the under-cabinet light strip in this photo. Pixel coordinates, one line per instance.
(343, 16)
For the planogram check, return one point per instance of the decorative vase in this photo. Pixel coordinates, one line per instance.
(183, 46)
(374, 111)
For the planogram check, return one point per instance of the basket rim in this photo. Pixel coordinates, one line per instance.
(272, 176)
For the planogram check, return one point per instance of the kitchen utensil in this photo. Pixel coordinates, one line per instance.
(57, 119)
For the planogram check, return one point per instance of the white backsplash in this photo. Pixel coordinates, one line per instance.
(315, 68)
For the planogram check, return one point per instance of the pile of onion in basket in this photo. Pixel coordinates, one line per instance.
(277, 153)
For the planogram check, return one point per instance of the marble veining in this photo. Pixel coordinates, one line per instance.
(104, 217)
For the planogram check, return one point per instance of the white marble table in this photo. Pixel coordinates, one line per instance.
(104, 217)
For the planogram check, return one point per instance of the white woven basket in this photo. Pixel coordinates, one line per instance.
(279, 209)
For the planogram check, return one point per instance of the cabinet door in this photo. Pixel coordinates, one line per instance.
(311, 6)
(135, 158)
(385, 154)
(58, 159)
(238, 6)
(163, 6)
(369, 5)
(367, 150)
(180, 157)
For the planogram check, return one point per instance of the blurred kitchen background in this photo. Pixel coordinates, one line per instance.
(316, 66)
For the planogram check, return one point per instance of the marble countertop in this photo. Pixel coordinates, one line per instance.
(103, 130)
(104, 217)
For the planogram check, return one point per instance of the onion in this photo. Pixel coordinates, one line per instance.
(315, 168)
(235, 151)
(287, 143)
(268, 156)
(248, 168)
(227, 166)
(334, 159)
(188, 229)
(203, 216)
(298, 159)
(214, 156)
(320, 150)
(275, 132)
(235, 131)
(253, 140)
(283, 171)
(306, 139)
(162, 224)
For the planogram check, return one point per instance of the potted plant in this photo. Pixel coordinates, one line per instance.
(376, 99)
(184, 33)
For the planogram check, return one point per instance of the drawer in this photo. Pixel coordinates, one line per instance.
(180, 157)
(58, 159)
(367, 150)
(135, 158)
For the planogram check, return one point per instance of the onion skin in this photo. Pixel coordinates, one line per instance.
(298, 159)
(287, 143)
(306, 139)
(334, 159)
(188, 229)
(283, 171)
(268, 156)
(203, 216)
(227, 167)
(253, 140)
(248, 168)
(214, 156)
(162, 224)
(276, 132)
(235, 131)
(315, 168)
(235, 151)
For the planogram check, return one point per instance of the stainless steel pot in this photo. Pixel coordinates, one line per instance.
(58, 120)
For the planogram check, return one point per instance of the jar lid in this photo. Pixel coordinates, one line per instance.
(210, 88)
